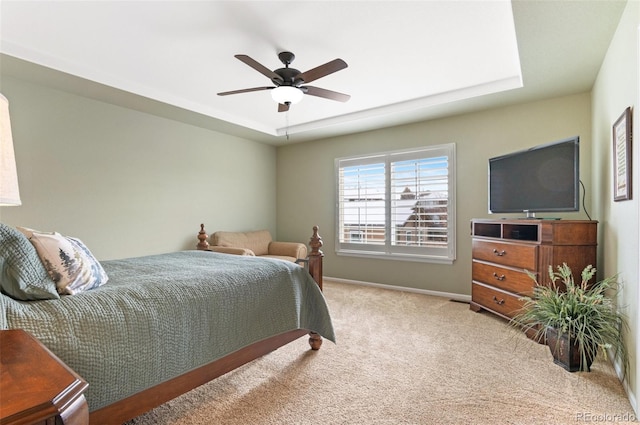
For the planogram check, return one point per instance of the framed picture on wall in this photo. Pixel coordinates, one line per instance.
(622, 157)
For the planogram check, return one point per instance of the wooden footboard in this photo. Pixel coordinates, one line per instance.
(142, 402)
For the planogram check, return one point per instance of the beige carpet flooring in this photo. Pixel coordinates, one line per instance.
(404, 358)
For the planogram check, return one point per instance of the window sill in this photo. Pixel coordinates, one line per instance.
(396, 257)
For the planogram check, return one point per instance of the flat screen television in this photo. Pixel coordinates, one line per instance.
(544, 178)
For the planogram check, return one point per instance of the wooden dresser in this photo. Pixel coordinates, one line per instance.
(36, 387)
(503, 249)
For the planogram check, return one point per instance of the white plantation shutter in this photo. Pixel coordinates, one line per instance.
(362, 199)
(398, 204)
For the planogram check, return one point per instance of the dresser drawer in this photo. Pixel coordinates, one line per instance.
(502, 277)
(514, 255)
(496, 300)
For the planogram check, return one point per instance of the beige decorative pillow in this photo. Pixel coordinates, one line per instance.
(68, 261)
(231, 250)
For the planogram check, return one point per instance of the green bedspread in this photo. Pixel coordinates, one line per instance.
(160, 316)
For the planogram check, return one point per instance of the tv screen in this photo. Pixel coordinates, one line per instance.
(544, 178)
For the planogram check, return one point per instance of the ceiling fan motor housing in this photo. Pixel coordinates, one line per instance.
(288, 76)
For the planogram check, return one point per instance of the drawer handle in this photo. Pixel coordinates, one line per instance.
(499, 253)
(498, 277)
(498, 301)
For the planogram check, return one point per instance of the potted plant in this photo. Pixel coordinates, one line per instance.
(576, 321)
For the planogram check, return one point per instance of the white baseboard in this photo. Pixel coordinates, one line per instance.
(449, 295)
(625, 382)
(631, 396)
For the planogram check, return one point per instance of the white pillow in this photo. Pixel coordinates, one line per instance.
(68, 261)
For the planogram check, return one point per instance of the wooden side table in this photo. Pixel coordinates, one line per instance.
(36, 387)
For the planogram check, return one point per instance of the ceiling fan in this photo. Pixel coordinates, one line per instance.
(289, 82)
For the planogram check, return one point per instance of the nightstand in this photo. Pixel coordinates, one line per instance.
(36, 387)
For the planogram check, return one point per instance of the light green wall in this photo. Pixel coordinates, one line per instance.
(129, 183)
(615, 89)
(306, 188)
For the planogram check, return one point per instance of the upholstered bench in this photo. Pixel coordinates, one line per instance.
(258, 243)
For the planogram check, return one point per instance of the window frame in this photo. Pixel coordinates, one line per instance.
(388, 250)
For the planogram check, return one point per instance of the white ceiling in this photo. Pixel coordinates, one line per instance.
(408, 60)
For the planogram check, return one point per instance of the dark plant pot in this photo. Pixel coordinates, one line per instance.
(566, 353)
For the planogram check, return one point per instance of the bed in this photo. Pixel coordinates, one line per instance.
(165, 324)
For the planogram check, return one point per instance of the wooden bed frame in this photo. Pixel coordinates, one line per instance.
(139, 403)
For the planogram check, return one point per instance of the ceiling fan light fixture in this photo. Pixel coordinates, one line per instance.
(287, 95)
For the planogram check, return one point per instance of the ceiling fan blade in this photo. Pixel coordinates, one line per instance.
(322, 70)
(226, 93)
(283, 107)
(259, 67)
(327, 94)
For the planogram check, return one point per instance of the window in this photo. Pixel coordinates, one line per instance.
(398, 205)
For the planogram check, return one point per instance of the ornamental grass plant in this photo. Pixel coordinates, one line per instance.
(584, 312)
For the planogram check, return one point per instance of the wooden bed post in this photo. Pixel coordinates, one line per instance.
(315, 269)
(315, 257)
(202, 238)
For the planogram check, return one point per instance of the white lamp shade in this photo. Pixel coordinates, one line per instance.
(287, 94)
(9, 192)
